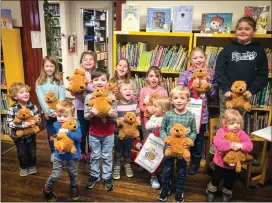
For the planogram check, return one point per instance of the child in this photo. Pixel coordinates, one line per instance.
(101, 135)
(26, 145)
(153, 78)
(123, 74)
(161, 106)
(88, 62)
(180, 97)
(64, 111)
(198, 59)
(232, 121)
(49, 81)
(123, 147)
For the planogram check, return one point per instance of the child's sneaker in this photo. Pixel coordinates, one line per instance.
(179, 197)
(32, 170)
(92, 182)
(163, 196)
(116, 172)
(49, 195)
(23, 172)
(155, 182)
(75, 193)
(212, 149)
(128, 170)
(108, 184)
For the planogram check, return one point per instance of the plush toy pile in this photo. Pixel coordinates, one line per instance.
(51, 100)
(78, 82)
(129, 126)
(112, 86)
(176, 140)
(25, 115)
(150, 101)
(239, 96)
(200, 81)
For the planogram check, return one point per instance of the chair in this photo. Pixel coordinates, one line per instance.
(209, 159)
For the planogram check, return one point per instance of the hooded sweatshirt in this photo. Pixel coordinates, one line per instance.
(242, 62)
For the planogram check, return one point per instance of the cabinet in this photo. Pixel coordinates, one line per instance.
(12, 70)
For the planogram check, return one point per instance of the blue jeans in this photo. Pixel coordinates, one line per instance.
(84, 124)
(122, 148)
(197, 149)
(50, 132)
(101, 147)
(168, 165)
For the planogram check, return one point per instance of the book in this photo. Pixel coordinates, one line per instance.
(216, 23)
(260, 15)
(6, 19)
(130, 17)
(158, 19)
(183, 18)
(264, 133)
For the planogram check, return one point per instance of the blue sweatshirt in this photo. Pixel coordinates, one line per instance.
(76, 136)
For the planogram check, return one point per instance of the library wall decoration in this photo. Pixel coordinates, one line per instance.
(130, 17)
(158, 19)
(216, 23)
(6, 19)
(183, 18)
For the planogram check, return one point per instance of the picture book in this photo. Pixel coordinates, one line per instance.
(6, 19)
(130, 17)
(260, 15)
(216, 23)
(183, 18)
(158, 19)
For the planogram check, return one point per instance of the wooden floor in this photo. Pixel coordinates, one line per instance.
(136, 189)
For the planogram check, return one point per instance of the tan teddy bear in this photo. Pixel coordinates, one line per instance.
(78, 81)
(129, 126)
(150, 101)
(51, 100)
(24, 115)
(239, 96)
(200, 80)
(112, 86)
(62, 142)
(176, 140)
(234, 157)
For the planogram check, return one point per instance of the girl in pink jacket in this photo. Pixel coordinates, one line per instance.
(232, 121)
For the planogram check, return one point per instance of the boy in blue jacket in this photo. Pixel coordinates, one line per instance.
(64, 111)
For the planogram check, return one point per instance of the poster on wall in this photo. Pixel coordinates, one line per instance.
(183, 18)
(6, 19)
(216, 23)
(158, 19)
(130, 17)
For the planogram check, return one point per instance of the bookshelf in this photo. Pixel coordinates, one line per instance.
(12, 71)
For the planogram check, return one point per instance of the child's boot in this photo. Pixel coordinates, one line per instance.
(226, 195)
(49, 195)
(75, 193)
(210, 192)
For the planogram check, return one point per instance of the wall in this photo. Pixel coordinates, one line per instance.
(15, 7)
(235, 7)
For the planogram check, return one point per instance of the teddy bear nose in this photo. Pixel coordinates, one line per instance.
(131, 119)
(177, 130)
(241, 89)
(23, 115)
(81, 87)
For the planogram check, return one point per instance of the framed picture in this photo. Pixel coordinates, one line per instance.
(158, 19)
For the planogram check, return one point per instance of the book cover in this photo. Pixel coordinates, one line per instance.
(6, 19)
(260, 15)
(130, 17)
(216, 23)
(158, 19)
(183, 18)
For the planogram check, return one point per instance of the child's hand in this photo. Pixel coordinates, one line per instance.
(236, 146)
(113, 113)
(150, 109)
(186, 146)
(60, 136)
(227, 94)
(247, 94)
(27, 124)
(32, 123)
(93, 111)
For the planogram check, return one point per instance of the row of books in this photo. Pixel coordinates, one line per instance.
(263, 98)
(3, 77)
(4, 101)
(167, 58)
(255, 120)
(269, 58)
(4, 127)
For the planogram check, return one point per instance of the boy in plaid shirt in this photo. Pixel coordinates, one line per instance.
(26, 145)
(180, 97)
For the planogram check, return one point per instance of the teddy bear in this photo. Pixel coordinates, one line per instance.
(176, 140)
(101, 102)
(129, 126)
(112, 86)
(51, 100)
(234, 157)
(239, 96)
(150, 101)
(200, 79)
(62, 142)
(24, 115)
(78, 82)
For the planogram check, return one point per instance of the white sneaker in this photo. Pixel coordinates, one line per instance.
(155, 182)
(52, 157)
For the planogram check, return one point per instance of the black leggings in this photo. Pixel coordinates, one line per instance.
(220, 173)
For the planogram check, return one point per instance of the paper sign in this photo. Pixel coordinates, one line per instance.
(36, 39)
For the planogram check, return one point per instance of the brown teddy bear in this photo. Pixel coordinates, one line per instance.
(24, 115)
(234, 157)
(62, 142)
(176, 140)
(239, 96)
(129, 126)
(200, 80)
(112, 86)
(51, 100)
(78, 81)
(101, 102)
(150, 101)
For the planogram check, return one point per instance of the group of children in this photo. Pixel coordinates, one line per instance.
(102, 135)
